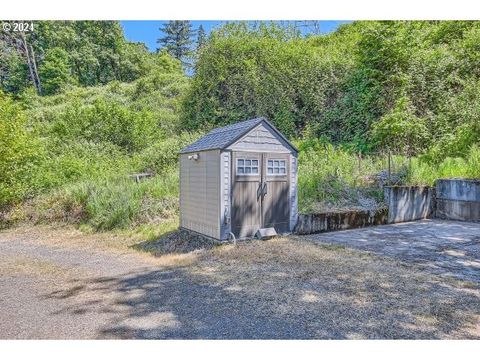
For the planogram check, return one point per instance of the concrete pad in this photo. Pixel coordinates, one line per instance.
(440, 246)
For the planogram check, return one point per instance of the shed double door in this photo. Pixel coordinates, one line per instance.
(260, 192)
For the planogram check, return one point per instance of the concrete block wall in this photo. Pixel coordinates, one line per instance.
(450, 199)
(409, 203)
(458, 199)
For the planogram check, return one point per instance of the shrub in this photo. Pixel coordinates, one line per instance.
(106, 121)
(400, 129)
(20, 153)
(163, 155)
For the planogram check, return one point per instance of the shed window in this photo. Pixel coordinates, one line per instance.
(247, 166)
(276, 167)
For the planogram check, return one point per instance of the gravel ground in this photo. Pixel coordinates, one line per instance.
(285, 288)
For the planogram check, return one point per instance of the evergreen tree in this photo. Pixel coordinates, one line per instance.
(201, 37)
(177, 40)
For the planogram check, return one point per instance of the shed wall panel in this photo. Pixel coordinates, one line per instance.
(200, 193)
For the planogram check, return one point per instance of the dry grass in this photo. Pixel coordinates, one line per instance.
(359, 294)
(70, 236)
(67, 236)
(26, 265)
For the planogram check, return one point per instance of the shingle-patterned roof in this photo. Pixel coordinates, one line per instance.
(222, 137)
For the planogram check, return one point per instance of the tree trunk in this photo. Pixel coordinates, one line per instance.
(35, 70)
(29, 63)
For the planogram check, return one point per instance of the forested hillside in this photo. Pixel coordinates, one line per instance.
(410, 86)
(81, 109)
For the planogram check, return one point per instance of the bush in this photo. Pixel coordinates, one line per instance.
(20, 154)
(163, 155)
(400, 129)
(105, 121)
(71, 161)
(245, 72)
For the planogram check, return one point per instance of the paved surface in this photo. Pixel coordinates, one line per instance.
(442, 247)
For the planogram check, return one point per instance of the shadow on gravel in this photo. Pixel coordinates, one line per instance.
(176, 304)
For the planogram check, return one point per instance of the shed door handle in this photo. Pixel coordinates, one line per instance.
(264, 191)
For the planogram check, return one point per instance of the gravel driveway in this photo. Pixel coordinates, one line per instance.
(60, 284)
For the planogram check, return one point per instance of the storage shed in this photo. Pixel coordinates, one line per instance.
(239, 179)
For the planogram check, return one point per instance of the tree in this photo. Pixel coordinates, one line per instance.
(262, 69)
(201, 37)
(55, 71)
(310, 26)
(97, 54)
(13, 70)
(177, 40)
(19, 43)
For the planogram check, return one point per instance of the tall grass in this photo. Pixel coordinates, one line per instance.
(425, 172)
(113, 203)
(333, 175)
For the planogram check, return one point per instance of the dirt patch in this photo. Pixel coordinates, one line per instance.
(175, 242)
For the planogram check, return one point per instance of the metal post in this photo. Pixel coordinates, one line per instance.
(389, 168)
(409, 167)
(359, 170)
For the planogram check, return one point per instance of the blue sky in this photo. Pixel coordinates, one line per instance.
(148, 31)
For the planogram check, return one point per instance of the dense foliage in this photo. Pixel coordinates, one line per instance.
(69, 156)
(408, 85)
(20, 152)
(87, 53)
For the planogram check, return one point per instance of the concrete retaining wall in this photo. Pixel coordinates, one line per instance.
(458, 199)
(409, 203)
(452, 199)
(315, 223)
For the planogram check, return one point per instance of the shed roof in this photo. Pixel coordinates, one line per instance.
(222, 137)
